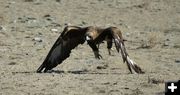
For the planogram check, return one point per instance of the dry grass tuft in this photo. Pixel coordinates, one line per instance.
(150, 40)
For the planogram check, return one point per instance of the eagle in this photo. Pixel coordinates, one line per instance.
(72, 36)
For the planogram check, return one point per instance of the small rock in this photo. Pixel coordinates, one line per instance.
(127, 34)
(106, 83)
(37, 39)
(167, 40)
(1, 27)
(177, 60)
(155, 81)
(58, 0)
(126, 88)
(49, 19)
(166, 44)
(39, 33)
(31, 18)
(56, 24)
(176, 46)
(145, 46)
(83, 22)
(67, 24)
(47, 15)
(29, 0)
(115, 83)
(12, 63)
(54, 30)
(27, 36)
(102, 91)
(102, 67)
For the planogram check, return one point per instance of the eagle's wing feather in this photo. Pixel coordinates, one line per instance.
(119, 44)
(70, 38)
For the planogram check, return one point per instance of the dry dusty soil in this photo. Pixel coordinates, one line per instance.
(28, 29)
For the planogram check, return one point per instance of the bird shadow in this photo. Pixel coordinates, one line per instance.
(70, 72)
(53, 71)
(83, 72)
(23, 72)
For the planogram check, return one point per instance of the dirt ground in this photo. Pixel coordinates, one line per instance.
(28, 29)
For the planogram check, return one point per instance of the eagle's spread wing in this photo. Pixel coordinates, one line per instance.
(119, 44)
(70, 38)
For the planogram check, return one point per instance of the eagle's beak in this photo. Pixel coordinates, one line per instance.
(88, 38)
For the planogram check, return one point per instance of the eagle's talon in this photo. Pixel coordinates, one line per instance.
(97, 55)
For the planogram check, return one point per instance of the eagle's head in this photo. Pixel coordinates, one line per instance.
(91, 33)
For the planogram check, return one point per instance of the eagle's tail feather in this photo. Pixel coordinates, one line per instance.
(134, 66)
(130, 64)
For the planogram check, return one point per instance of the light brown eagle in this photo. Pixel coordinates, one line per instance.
(72, 36)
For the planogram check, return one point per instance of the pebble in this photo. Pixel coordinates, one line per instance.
(177, 60)
(27, 36)
(56, 24)
(155, 81)
(83, 22)
(47, 15)
(58, 0)
(29, 0)
(67, 24)
(2, 28)
(37, 39)
(176, 46)
(127, 34)
(12, 63)
(54, 30)
(166, 44)
(102, 67)
(167, 40)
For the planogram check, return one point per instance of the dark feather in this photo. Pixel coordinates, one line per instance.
(68, 40)
(72, 36)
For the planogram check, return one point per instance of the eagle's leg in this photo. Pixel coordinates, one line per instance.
(95, 50)
(97, 55)
(109, 45)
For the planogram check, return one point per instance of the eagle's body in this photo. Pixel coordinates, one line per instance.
(72, 36)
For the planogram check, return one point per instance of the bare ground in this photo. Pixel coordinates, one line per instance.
(152, 28)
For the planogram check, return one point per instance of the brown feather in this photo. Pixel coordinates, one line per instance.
(119, 43)
(72, 36)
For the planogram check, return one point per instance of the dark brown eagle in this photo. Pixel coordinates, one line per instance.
(72, 36)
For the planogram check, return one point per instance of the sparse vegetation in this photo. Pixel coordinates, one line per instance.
(153, 25)
(150, 41)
